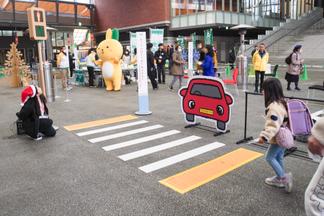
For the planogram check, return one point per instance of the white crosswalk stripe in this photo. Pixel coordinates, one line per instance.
(106, 129)
(140, 140)
(158, 148)
(126, 133)
(180, 157)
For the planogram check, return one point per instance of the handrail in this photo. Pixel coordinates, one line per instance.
(288, 28)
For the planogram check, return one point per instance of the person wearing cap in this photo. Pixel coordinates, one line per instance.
(314, 195)
(34, 114)
(151, 70)
(295, 67)
(160, 57)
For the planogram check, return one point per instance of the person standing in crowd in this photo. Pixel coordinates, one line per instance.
(63, 66)
(207, 64)
(160, 59)
(34, 114)
(177, 69)
(314, 200)
(260, 60)
(151, 70)
(215, 61)
(126, 57)
(254, 50)
(295, 67)
(232, 58)
(91, 59)
(276, 116)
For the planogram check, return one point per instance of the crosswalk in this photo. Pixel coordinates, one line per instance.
(137, 133)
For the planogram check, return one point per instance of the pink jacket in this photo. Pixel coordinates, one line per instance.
(296, 64)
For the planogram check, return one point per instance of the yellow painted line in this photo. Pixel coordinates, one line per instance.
(100, 122)
(206, 172)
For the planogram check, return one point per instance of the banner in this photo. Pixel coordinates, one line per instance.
(132, 39)
(156, 37)
(194, 39)
(208, 37)
(143, 99)
(181, 41)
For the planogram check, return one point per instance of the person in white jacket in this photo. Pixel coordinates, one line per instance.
(314, 195)
(63, 66)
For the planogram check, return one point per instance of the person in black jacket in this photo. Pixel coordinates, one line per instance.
(151, 71)
(34, 114)
(160, 57)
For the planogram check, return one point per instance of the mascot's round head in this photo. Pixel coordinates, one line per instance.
(109, 49)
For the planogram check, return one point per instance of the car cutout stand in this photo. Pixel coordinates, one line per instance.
(207, 128)
(205, 98)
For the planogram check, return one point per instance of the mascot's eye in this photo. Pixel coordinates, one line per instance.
(107, 47)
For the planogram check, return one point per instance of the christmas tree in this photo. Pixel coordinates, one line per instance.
(16, 68)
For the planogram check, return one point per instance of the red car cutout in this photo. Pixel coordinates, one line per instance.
(206, 98)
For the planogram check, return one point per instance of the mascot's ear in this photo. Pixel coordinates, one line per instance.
(108, 34)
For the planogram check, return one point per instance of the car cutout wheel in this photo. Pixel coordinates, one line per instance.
(221, 125)
(190, 117)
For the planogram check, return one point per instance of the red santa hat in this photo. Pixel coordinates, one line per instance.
(28, 92)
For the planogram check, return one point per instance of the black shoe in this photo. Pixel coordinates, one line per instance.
(298, 89)
(256, 91)
(288, 88)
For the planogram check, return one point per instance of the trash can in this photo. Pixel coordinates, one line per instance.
(49, 82)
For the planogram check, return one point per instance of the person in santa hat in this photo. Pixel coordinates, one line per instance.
(34, 114)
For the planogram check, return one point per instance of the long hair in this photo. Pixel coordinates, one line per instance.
(273, 92)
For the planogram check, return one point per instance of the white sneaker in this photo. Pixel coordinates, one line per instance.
(38, 138)
(288, 182)
(69, 88)
(275, 181)
(55, 127)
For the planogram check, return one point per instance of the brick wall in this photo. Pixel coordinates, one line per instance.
(123, 13)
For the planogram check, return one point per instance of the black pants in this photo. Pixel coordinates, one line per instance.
(46, 127)
(152, 77)
(43, 126)
(259, 75)
(91, 75)
(161, 73)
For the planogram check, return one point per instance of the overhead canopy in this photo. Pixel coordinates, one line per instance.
(242, 26)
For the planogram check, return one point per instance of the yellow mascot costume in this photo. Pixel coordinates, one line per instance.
(110, 52)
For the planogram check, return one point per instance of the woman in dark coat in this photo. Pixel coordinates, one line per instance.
(34, 114)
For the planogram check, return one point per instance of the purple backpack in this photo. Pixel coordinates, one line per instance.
(300, 119)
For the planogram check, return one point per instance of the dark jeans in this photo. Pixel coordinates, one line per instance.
(161, 73)
(259, 75)
(152, 77)
(46, 128)
(91, 75)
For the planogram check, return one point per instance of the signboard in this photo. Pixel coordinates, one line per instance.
(194, 39)
(208, 37)
(37, 23)
(206, 97)
(156, 37)
(143, 99)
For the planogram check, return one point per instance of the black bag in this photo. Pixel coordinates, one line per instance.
(288, 59)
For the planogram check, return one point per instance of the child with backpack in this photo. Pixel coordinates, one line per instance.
(276, 117)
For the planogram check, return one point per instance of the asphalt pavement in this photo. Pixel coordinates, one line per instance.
(74, 175)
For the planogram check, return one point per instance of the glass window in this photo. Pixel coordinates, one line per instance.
(50, 8)
(6, 10)
(6, 33)
(66, 13)
(206, 91)
(83, 14)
